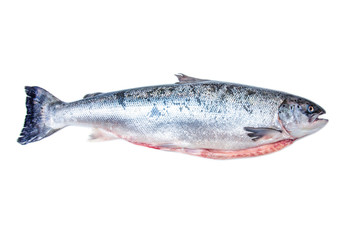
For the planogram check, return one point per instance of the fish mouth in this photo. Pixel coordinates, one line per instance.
(316, 117)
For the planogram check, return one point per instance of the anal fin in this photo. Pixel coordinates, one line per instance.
(100, 134)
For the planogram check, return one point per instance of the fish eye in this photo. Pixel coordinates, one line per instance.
(310, 109)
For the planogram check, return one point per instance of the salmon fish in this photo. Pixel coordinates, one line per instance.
(206, 118)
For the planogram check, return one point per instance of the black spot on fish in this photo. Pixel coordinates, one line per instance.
(193, 90)
(212, 88)
(121, 99)
(247, 108)
(220, 87)
(171, 89)
(198, 101)
(250, 92)
(229, 90)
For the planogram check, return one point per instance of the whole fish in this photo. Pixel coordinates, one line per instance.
(206, 118)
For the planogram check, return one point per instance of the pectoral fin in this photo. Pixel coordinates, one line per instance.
(263, 133)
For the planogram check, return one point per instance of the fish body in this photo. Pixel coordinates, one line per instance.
(200, 117)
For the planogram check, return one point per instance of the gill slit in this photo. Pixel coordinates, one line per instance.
(284, 129)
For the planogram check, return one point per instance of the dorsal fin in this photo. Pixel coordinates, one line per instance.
(187, 79)
(92, 94)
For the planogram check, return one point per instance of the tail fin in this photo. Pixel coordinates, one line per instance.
(36, 125)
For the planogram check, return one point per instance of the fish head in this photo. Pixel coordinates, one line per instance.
(300, 117)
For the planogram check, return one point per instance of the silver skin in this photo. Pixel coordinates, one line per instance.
(191, 114)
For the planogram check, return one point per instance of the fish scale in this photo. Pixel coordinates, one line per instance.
(193, 116)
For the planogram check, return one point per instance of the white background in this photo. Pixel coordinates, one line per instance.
(64, 187)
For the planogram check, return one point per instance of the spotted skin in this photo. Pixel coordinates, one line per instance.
(199, 117)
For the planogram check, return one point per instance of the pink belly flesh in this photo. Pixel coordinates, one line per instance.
(227, 154)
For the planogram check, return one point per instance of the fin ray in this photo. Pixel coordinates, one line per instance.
(36, 124)
(262, 133)
(100, 134)
(187, 79)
